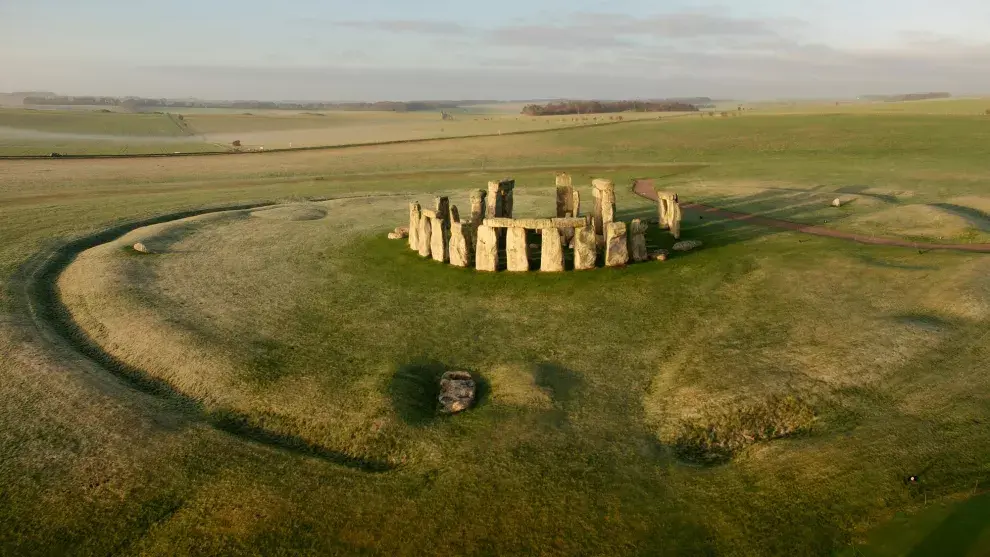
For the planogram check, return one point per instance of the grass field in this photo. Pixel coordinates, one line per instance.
(263, 383)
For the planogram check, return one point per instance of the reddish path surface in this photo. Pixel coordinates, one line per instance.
(644, 188)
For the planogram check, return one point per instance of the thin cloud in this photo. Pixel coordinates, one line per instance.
(420, 26)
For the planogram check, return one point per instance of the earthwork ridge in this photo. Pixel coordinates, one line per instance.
(644, 188)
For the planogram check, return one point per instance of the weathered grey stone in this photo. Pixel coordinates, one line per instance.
(430, 213)
(515, 250)
(565, 194)
(425, 234)
(507, 188)
(604, 192)
(637, 241)
(536, 224)
(563, 179)
(394, 236)
(441, 205)
(486, 256)
(616, 248)
(141, 248)
(576, 204)
(674, 219)
(402, 231)
(552, 251)
(494, 208)
(415, 214)
(687, 245)
(439, 241)
(457, 392)
(585, 250)
(478, 206)
(455, 215)
(660, 254)
(459, 251)
(837, 202)
(669, 211)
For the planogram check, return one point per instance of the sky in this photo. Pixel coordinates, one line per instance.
(502, 50)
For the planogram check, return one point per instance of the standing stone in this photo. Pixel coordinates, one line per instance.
(616, 248)
(637, 241)
(565, 195)
(494, 208)
(455, 215)
(425, 235)
(460, 255)
(552, 251)
(576, 203)
(674, 218)
(507, 187)
(604, 192)
(585, 251)
(442, 207)
(414, 217)
(486, 256)
(478, 206)
(439, 241)
(515, 250)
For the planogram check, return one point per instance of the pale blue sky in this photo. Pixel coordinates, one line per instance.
(386, 49)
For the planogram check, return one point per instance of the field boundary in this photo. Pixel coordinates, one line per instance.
(34, 290)
(320, 147)
(644, 189)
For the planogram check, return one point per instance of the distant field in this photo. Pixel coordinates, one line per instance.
(976, 105)
(40, 132)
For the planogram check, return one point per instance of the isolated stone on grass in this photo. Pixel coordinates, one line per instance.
(457, 392)
(687, 245)
(141, 248)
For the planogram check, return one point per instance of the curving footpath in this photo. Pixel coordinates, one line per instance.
(644, 188)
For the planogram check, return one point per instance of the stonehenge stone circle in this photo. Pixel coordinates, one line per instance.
(515, 250)
(486, 254)
(425, 234)
(439, 233)
(552, 252)
(637, 241)
(616, 249)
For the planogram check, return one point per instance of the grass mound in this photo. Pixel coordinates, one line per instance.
(715, 438)
(294, 212)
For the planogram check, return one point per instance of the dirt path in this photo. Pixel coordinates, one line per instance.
(644, 188)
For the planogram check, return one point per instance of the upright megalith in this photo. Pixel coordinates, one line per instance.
(425, 234)
(478, 206)
(565, 195)
(637, 241)
(455, 215)
(576, 203)
(499, 200)
(460, 248)
(669, 211)
(585, 250)
(604, 192)
(486, 254)
(616, 248)
(552, 251)
(515, 250)
(414, 216)
(674, 219)
(440, 240)
(442, 207)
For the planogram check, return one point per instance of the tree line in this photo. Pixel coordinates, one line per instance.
(602, 107)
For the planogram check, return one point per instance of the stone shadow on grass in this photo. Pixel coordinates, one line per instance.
(415, 390)
(559, 382)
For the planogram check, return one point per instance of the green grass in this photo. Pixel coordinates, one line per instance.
(324, 331)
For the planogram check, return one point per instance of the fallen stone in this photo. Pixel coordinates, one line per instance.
(552, 252)
(837, 202)
(616, 244)
(394, 236)
(141, 248)
(687, 245)
(402, 230)
(660, 255)
(457, 392)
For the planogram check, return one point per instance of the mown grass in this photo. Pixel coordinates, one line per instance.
(331, 331)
